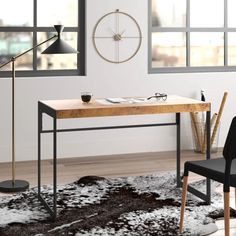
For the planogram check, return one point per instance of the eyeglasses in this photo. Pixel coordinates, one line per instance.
(158, 96)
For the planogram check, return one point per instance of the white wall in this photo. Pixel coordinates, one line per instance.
(105, 80)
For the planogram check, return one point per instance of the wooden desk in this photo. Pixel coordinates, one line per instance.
(67, 109)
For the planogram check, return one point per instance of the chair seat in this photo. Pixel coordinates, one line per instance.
(213, 169)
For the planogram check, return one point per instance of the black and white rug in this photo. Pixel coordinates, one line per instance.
(145, 205)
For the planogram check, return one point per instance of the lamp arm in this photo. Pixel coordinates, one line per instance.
(6, 63)
(23, 53)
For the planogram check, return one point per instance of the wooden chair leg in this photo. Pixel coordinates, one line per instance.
(227, 213)
(183, 202)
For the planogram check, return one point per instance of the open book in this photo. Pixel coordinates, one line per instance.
(126, 100)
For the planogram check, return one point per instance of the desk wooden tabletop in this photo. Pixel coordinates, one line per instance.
(75, 108)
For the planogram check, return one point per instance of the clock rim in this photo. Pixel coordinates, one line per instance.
(139, 30)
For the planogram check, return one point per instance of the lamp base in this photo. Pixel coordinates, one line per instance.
(9, 186)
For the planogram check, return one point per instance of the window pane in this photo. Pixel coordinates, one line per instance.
(12, 44)
(169, 13)
(207, 49)
(11, 15)
(54, 12)
(57, 61)
(232, 49)
(206, 13)
(168, 49)
(231, 13)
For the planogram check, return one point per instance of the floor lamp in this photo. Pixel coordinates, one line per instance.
(58, 47)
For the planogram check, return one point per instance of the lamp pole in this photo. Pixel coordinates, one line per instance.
(13, 123)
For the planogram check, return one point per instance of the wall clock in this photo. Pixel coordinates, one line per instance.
(117, 37)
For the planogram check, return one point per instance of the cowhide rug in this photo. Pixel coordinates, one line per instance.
(144, 205)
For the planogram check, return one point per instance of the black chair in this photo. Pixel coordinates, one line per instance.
(222, 170)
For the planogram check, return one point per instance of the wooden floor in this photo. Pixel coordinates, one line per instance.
(71, 169)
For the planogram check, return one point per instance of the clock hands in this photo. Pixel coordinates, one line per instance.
(122, 32)
(111, 30)
(117, 36)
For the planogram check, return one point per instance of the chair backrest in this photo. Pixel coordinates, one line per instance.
(229, 151)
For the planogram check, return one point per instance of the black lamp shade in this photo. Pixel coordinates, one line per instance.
(59, 47)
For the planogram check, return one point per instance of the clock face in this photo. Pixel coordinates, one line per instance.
(117, 37)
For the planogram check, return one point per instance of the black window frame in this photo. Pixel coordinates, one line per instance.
(188, 68)
(81, 46)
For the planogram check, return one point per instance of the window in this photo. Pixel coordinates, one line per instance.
(192, 35)
(22, 29)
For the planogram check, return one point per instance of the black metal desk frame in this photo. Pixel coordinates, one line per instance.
(42, 108)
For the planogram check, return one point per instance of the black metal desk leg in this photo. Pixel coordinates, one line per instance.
(51, 210)
(208, 153)
(178, 178)
(40, 115)
(55, 167)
